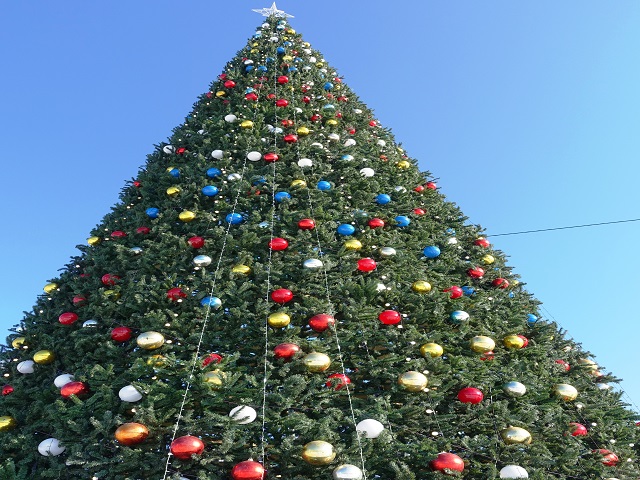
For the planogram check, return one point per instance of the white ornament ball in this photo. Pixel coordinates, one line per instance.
(349, 142)
(387, 251)
(381, 287)
(202, 261)
(248, 62)
(217, 154)
(129, 394)
(234, 177)
(90, 323)
(313, 59)
(50, 447)
(400, 189)
(168, 149)
(459, 316)
(370, 428)
(298, 110)
(513, 471)
(243, 414)
(26, 366)
(514, 389)
(230, 118)
(305, 162)
(347, 472)
(604, 386)
(317, 145)
(254, 156)
(334, 137)
(312, 264)
(452, 241)
(61, 380)
(367, 172)
(357, 111)
(381, 143)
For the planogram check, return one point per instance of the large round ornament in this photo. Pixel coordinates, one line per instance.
(187, 216)
(50, 287)
(254, 156)
(513, 471)
(248, 470)
(366, 264)
(51, 447)
(131, 433)
(96, 240)
(347, 472)
(513, 435)
(241, 269)
(318, 452)
(488, 259)
(234, 218)
(447, 463)
(352, 244)
(565, 392)
(459, 316)
(278, 244)
(432, 350)
(387, 251)
(454, 291)
(513, 342)
(278, 320)
(130, 394)
(316, 362)
(202, 261)
(121, 334)
(370, 428)
(184, 447)
(431, 251)
(7, 390)
(74, 388)
(26, 366)
(412, 381)
(338, 381)
(67, 318)
(196, 242)
(18, 342)
(44, 357)
(501, 283)
(282, 295)
(346, 229)
(307, 224)
(321, 322)
(212, 302)
(578, 430)
(482, 344)
(470, 395)
(609, 459)
(150, 340)
(376, 223)
(390, 317)
(61, 380)
(367, 172)
(312, 264)
(514, 389)
(420, 286)
(476, 272)
(243, 414)
(286, 351)
(214, 378)
(175, 294)
(7, 423)
(109, 279)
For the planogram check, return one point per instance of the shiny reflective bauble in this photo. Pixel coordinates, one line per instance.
(420, 286)
(370, 428)
(318, 452)
(18, 342)
(248, 470)
(565, 392)
(74, 388)
(214, 379)
(243, 414)
(286, 351)
(316, 362)
(513, 471)
(278, 320)
(513, 435)
(131, 433)
(352, 244)
(50, 447)
(347, 472)
(432, 350)
(150, 340)
(482, 344)
(513, 341)
(447, 463)
(514, 389)
(412, 381)
(7, 423)
(241, 269)
(44, 357)
(184, 447)
(130, 394)
(50, 287)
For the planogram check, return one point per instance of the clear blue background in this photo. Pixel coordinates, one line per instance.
(528, 111)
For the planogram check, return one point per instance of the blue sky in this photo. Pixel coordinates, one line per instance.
(528, 112)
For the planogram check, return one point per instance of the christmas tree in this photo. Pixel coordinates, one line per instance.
(281, 290)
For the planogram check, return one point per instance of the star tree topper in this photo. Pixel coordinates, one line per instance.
(273, 10)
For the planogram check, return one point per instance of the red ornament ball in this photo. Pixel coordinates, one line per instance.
(564, 365)
(67, 318)
(419, 211)
(320, 322)
(419, 188)
(488, 356)
(196, 242)
(500, 282)
(482, 242)
(366, 264)
(376, 223)
(109, 279)
(306, 99)
(447, 463)
(248, 470)
(282, 79)
(180, 151)
(143, 230)
(609, 459)
(282, 102)
(121, 334)
(278, 244)
(229, 84)
(315, 117)
(184, 447)
(287, 123)
(175, 294)
(271, 157)
(338, 381)
(137, 184)
(578, 430)
(282, 295)
(211, 358)
(251, 97)
(7, 390)
(291, 138)
(74, 388)
(118, 234)
(306, 224)
(454, 291)
(431, 185)
(475, 272)
(79, 300)
(470, 395)
(525, 340)
(389, 317)
(286, 351)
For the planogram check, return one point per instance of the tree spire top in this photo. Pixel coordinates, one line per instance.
(272, 11)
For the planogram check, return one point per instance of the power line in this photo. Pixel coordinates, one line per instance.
(564, 228)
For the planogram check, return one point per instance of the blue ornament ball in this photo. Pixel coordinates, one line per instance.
(402, 221)
(346, 229)
(324, 185)
(213, 302)
(269, 60)
(459, 316)
(258, 181)
(262, 68)
(431, 251)
(468, 291)
(280, 50)
(234, 218)
(328, 86)
(213, 172)
(531, 319)
(248, 68)
(210, 190)
(174, 172)
(383, 199)
(292, 69)
(153, 212)
(282, 196)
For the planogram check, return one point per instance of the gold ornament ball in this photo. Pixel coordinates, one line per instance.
(318, 452)
(287, 58)
(488, 259)
(150, 340)
(241, 269)
(482, 344)
(432, 350)
(18, 342)
(246, 124)
(589, 365)
(279, 320)
(187, 216)
(302, 131)
(513, 435)
(156, 361)
(513, 341)
(306, 44)
(298, 184)
(7, 423)
(214, 378)
(353, 244)
(173, 191)
(412, 381)
(44, 357)
(420, 286)
(291, 31)
(316, 362)
(111, 294)
(320, 65)
(403, 164)
(565, 392)
(220, 93)
(50, 287)
(93, 241)
(332, 122)
(131, 433)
